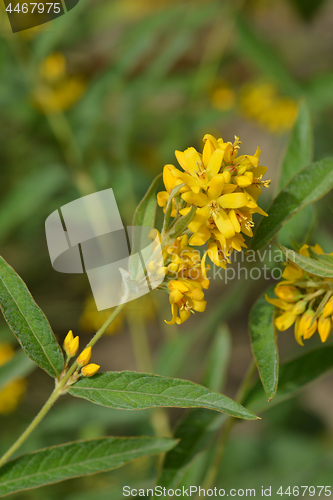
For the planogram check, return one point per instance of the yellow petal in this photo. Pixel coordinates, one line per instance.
(292, 273)
(233, 200)
(243, 181)
(174, 315)
(324, 328)
(229, 188)
(200, 218)
(215, 163)
(200, 237)
(175, 296)
(162, 198)
(234, 221)
(199, 305)
(281, 304)
(193, 160)
(224, 224)
(298, 331)
(216, 186)
(285, 321)
(209, 137)
(178, 285)
(207, 152)
(200, 199)
(183, 316)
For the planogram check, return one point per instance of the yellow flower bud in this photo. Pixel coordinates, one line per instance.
(68, 339)
(289, 293)
(243, 181)
(306, 326)
(90, 370)
(292, 273)
(84, 357)
(72, 347)
(324, 327)
(285, 321)
(328, 309)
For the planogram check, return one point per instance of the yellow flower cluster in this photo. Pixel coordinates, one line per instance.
(224, 189)
(263, 104)
(305, 300)
(71, 347)
(12, 392)
(57, 91)
(185, 280)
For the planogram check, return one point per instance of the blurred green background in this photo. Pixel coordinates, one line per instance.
(102, 97)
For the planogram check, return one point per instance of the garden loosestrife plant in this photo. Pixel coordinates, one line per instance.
(218, 192)
(304, 300)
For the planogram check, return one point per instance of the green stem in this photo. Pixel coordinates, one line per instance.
(59, 389)
(221, 444)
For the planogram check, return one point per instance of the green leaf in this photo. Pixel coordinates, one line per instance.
(217, 359)
(29, 195)
(180, 225)
(299, 155)
(320, 265)
(256, 50)
(168, 208)
(293, 376)
(136, 391)
(144, 217)
(264, 343)
(80, 458)
(299, 152)
(19, 366)
(195, 432)
(28, 322)
(307, 186)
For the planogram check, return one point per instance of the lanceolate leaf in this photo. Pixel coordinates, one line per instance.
(307, 186)
(294, 375)
(136, 391)
(145, 212)
(320, 265)
(144, 217)
(264, 343)
(195, 432)
(19, 366)
(28, 322)
(80, 458)
(300, 148)
(299, 155)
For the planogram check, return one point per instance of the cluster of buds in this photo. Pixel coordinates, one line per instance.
(71, 347)
(305, 300)
(212, 201)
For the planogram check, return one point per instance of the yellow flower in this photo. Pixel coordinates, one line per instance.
(263, 104)
(224, 187)
(12, 392)
(84, 357)
(223, 97)
(305, 299)
(56, 90)
(186, 297)
(90, 370)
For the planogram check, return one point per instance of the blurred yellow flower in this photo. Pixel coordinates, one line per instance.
(262, 103)
(56, 90)
(11, 393)
(305, 300)
(223, 97)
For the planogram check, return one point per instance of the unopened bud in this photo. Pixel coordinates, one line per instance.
(72, 347)
(328, 309)
(68, 339)
(324, 327)
(289, 293)
(84, 357)
(90, 370)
